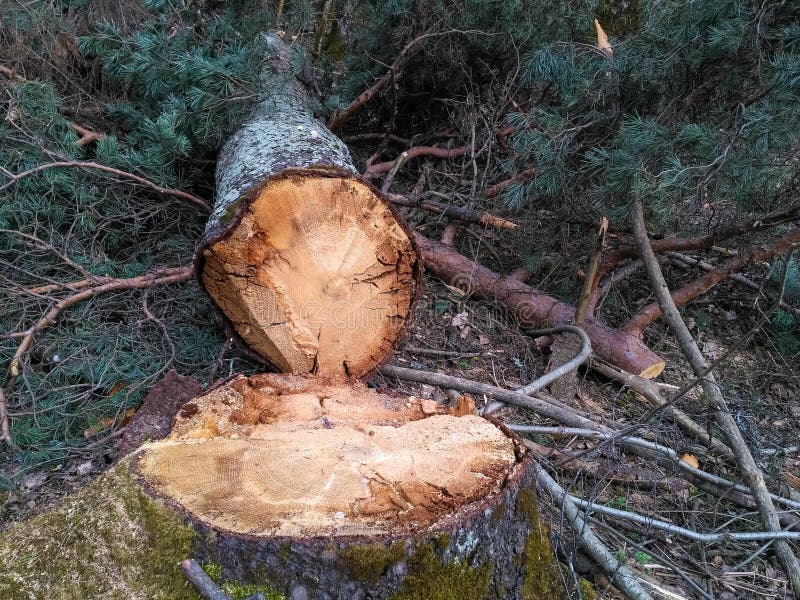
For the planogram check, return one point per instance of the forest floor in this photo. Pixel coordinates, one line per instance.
(762, 387)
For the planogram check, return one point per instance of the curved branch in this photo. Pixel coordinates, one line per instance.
(84, 164)
(158, 277)
(384, 167)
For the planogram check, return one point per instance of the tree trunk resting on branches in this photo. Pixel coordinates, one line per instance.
(314, 487)
(533, 309)
(306, 259)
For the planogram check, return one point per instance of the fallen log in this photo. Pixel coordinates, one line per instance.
(531, 308)
(314, 488)
(305, 259)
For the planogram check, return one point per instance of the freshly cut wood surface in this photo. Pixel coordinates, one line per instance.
(318, 276)
(281, 455)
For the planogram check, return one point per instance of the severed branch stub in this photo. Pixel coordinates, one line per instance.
(306, 259)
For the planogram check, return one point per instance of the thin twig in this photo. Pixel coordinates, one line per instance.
(706, 538)
(82, 164)
(617, 572)
(440, 353)
(752, 474)
(201, 581)
(398, 163)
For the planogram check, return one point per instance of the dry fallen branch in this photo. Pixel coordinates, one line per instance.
(703, 242)
(82, 164)
(533, 309)
(617, 572)
(452, 212)
(157, 277)
(375, 169)
(750, 471)
(202, 582)
(549, 407)
(705, 538)
(683, 261)
(703, 284)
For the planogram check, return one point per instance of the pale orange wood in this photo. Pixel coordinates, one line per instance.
(318, 276)
(283, 455)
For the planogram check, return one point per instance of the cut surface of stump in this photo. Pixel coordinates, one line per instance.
(318, 276)
(291, 456)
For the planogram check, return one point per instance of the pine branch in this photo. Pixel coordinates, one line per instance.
(79, 164)
(148, 280)
(703, 284)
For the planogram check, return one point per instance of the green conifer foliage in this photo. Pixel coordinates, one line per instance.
(181, 82)
(696, 107)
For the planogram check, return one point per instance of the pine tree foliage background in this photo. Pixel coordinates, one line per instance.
(695, 113)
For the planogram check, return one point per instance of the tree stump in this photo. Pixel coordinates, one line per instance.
(306, 260)
(328, 489)
(312, 487)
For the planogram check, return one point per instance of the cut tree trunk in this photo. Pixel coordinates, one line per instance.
(534, 309)
(317, 488)
(307, 261)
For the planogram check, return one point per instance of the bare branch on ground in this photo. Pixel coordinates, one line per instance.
(750, 471)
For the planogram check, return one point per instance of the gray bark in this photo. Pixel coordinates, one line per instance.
(282, 133)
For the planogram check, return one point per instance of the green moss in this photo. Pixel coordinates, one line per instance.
(213, 570)
(237, 590)
(230, 213)
(587, 590)
(429, 579)
(110, 540)
(543, 579)
(368, 563)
